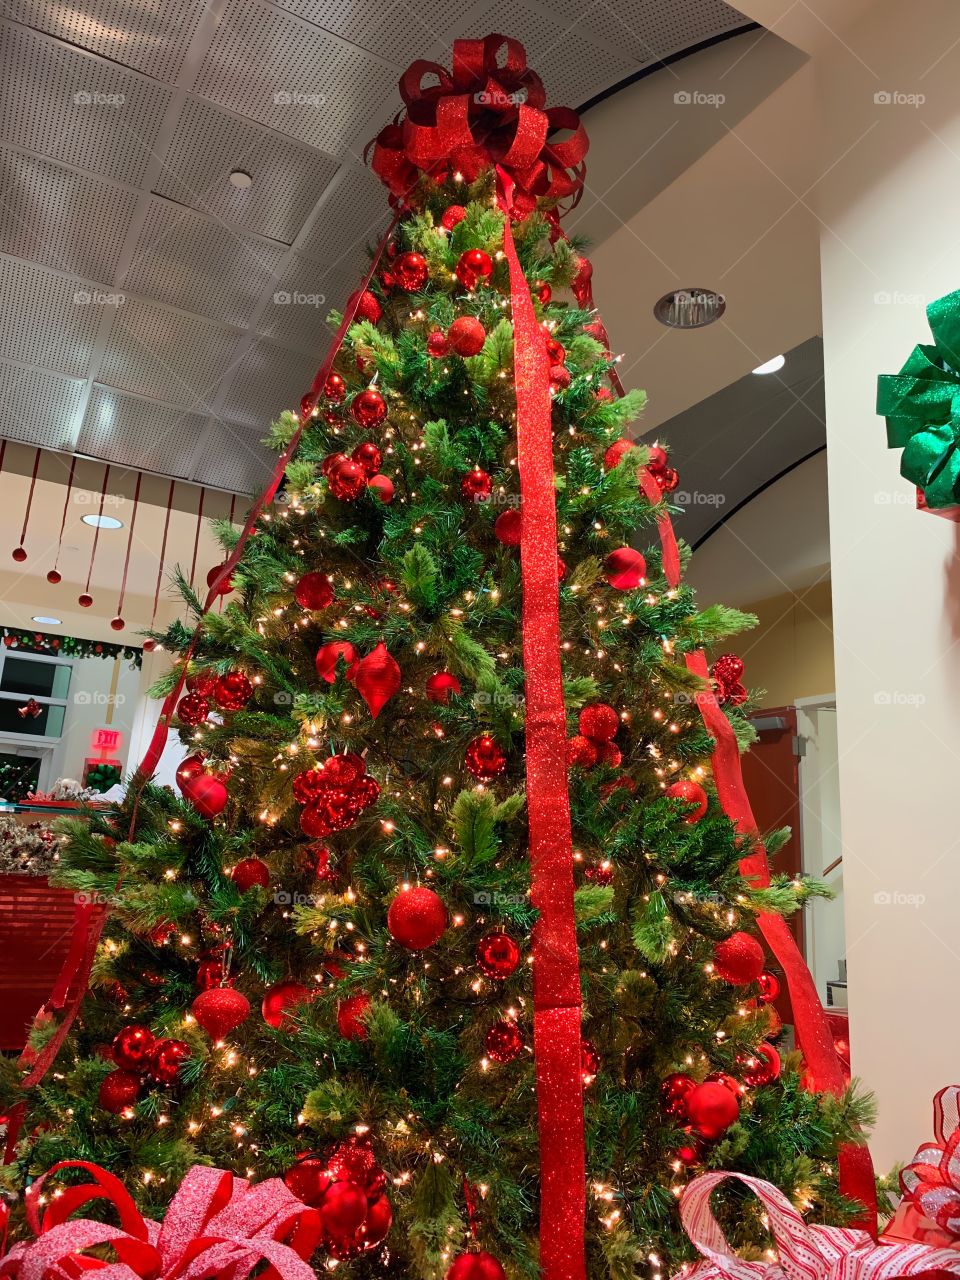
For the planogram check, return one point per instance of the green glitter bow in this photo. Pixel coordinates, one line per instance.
(921, 404)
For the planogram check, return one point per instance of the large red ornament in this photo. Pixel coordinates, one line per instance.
(378, 1223)
(625, 569)
(335, 389)
(762, 1066)
(309, 1180)
(280, 998)
(498, 955)
(226, 586)
(132, 1047)
(119, 1090)
(368, 306)
(616, 452)
(473, 266)
(220, 1011)
(232, 691)
(382, 489)
(331, 462)
(674, 1091)
(343, 1210)
(347, 481)
(207, 794)
(484, 758)
(192, 710)
(504, 1041)
(328, 655)
(691, 793)
(581, 752)
(440, 686)
(656, 459)
(589, 1060)
(475, 1266)
(411, 271)
(417, 918)
(168, 1057)
(376, 678)
(189, 767)
(507, 527)
(369, 408)
(599, 721)
(769, 987)
(476, 485)
(351, 1020)
(466, 336)
(453, 214)
(738, 959)
(250, 873)
(368, 456)
(711, 1109)
(314, 591)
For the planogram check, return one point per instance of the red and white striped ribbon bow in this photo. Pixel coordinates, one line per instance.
(804, 1252)
(931, 1181)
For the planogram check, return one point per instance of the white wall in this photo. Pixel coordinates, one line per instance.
(103, 694)
(889, 198)
(822, 839)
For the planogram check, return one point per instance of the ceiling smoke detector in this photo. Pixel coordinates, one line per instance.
(690, 308)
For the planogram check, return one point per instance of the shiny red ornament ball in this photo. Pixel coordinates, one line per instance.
(599, 872)
(250, 873)
(762, 1066)
(368, 305)
(485, 758)
(668, 479)
(379, 1220)
(192, 710)
(769, 987)
(308, 1179)
(85, 600)
(508, 526)
(189, 767)
(617, 451)
(343, 1210)
(581, 752)
(202, 683)
(226, 586)
(117, 623)
(53, 577)
(656, 458)
(382, 489)
(674, 1091)
(376, 678)
(369, 408)
(498, 954)
(331, 462)
(335, 389)
(351, 1020)
(314, 591)
(543, 291)
(220, 1011)
(691, 793)
(466, 336)
(589, 1060)
(411, 271)
(738, 959)
(437, 344)
(132, 1047)
(711, 1109)
(625, 569)
(168, 1057)
(119, 1090)
(207, 794)
(476, 485)
(368, 456)
(600, 721)
(453, 214)
(555, 351)
(232, 691)
(19, 554)
(417, 918)
(728, 1081)
(504, 1041)
(279, 999)
(353, 1160)
(473, 266)
(475, 1266)
(347, 481)
(440, 686)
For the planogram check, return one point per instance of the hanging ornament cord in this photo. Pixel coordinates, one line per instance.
(163, 552)
(126, 559)
(26, 514)
(66, 508)
(233, 507)
(196, 537)
(96, 532)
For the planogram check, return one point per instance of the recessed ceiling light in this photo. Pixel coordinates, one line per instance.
(241, 179)
(771, 366)
(46, 622)
(103, 522)
(690, 308)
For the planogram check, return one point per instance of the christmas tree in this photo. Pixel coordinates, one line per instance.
(319, 960)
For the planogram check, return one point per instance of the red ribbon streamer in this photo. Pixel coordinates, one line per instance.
(196, 539)
(66, 505)
(33, 485)
(96, 532)
(163, 552)
(126, 559)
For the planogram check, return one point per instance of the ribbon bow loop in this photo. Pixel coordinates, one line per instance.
(931, 1181)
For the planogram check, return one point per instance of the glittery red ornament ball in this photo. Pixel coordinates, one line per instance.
(314, 591)
(189, 767)
(473, 266)
(168, 1057)
(308, 1179)
(466, 336)
(504, 1041)
(85, 600)
(589, 1060)
(712, 1108)
(674, 1091)
(437, 344)
(351, 1017)
(559, 377)
(417, 918)
(498, 954)
(667, 479)
(353, 1160)
(411, 271)
(484, 758)
(599, 872)
(475, 1266)
(727, 669)
(132, 1047)
(656, 458)
(369, 408)
(210, 973)
(692, 794)
(332, 653)
(207, 794)
(738, 959)
(507, 527)
(440, 686)
(769, 987)
(314, 822)
(347, 481)
(598, 720)
(226, 586)
(762, 1066)
(281, 998)
(220, 1011)
(609, 753)
(192, 709)
(581, 752)
(19, 554)
(382, 489)
(368, 456)
(368, 305)
(625, 569)
(453, 214)
(376, 678)
(250, 873)
(119, 1090)
(617, 451)
(232, 691)
(476, 485)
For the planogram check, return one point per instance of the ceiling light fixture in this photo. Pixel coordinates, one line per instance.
(240, 179)
(103, 522)
(46, 622)
(771, 366)
(690, 308)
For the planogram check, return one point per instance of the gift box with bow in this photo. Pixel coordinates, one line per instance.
(930, 1209)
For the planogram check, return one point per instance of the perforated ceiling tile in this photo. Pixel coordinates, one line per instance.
(164, 354)
(209, 144)
(69, 106)
(354, 214)
(296, 314)
(65, 219)
(234, 459)
(396, 30)
(39, 408)
(268, 380)
(301, 81)
(136, 433)
(200, 264)
(47, 319)
(152, 38)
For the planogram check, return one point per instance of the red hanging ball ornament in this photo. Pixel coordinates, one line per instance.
(738, 959)
(581, 752)
(313, 822)
(598, 720)
(368, 456)
(308, 1179)
(192, 710)
(507, 527)
(210, 973)
(279, 999)
(559, 377)
(769, 987)
(250, 873)
(19, 554)
(504, 1041)
(232, 691)
(555, 351)
(379, 1220)
(473, 266)
(132, 1047)
(476, 485)
(347, 481)
(330, 654)
(190, 767)
(417, 918)
(440, 686)
(617, 451)
(690, 1152)
(335, 389)
(411, 271)
(369, 408)
(589, 1060)
(119, 1090)
(117, 623)
(543, 291)
(351, 1020)
(168, 1057)
(599, 872)
(625, 569)
(226, 586)
(382, 489)
(453, 214)
(609, 753)
(53, 577)
(307, 786)
(667, 479)
(314, 591)
(331, 462)
(437, 344)
(475, 1266)
(207, 794)
(712, 1108)
(728, 1081)
(485, 758)
(466, 336)
(674, 1091)
(387, 281)
(762, 1066)
(727, 671)
(85, 600)
(368, 305)
(343, 1210)
(656, 459)
(376, 678)
(202, 683)
(691, 793)
(498, 954)
(353, 1160)
(220, 1011)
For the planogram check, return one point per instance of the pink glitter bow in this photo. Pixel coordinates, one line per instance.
(216, 1225)
(931, 1181)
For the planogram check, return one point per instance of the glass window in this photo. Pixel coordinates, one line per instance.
(23, 675)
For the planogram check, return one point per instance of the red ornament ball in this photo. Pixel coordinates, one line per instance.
(280, 998)
(476, 485)
(485, 758)
(498, 954)
(207, 794)
(250, 873)
(543, 291)
(417, 918)
(351, 1020)
(382, 489)
(728, 1082)
(559, 377)
(453, 214)
(210, 973)
(347, 480)
(440, 686)
(226, 586)
(507, 527)
(674, 1091)
(85, 600)
(473, 266)
(411, 271)
(369, 408)
(581, 752)
(343, 1210)
(711, 1109)
(600, 721)
(762, 1066)
(192, 710)
(368, 306)
(769, 987)
(609, 753)
(331, 462)
(437, 344)
(117, 623)
(314, 591)
(667, 479)
(656, 458)
(625, 569)
(475, 1266)
(691, 793)
(353, 1160)
(189, 767)
(132, 1047)
(119, 1090)
(727, 669)
(589, 1060)
(466, 336)
(504, 1041)
(220, 1011)
(368, 456)
(738, 959)
(378, 1223)
(616, 452)
(555, 351)
(53, 577)
(19, 554)
(599, 872)
(202, 683)
(168, 1057)
(335, 389)
(308, 1179)
(232, 691)
(330, 654)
